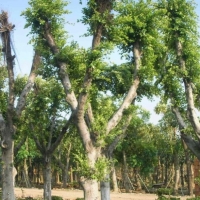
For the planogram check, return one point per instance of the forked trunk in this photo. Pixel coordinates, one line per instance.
(47, 179)
(90, 188)
(105, 188)
(8, 178)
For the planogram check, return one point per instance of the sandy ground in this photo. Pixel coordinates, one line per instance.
(73, 194)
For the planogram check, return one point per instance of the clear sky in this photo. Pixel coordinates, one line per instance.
(24, 51)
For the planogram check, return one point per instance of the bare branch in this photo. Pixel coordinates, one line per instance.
(19, 145)
(70, 96)
(132, 93)
(119, 138)
(192, 144)
(179, 118)
(22, 99)
(61, 135)
(189, 92)
(37, 142)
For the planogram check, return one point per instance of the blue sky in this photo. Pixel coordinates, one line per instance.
(24, 51)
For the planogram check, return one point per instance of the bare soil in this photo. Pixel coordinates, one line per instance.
(74, 194)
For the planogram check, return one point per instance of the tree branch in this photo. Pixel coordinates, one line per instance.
(22, 99)
(120, 137)
(17, 148)
(61, 135)
(192, 144)
(189, 92)
(132, 93)
(70, 96)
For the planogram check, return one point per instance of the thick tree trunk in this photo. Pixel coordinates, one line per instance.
(8, 178)
(47, 178)
(105, 188)
(90, 188)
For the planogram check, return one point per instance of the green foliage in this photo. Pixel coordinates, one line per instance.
(98, 172)
(3, 89)
(98, 13)
(56, 198)
(20, 83)
(48, 11)
(194, 198)
(163, 191)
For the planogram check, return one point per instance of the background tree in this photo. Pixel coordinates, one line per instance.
(11, 109)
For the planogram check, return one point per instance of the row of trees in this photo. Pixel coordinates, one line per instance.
(78, 91)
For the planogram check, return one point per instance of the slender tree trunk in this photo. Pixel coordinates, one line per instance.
(114, 179)
(47, 178)
(8, 177)
(166, 173)
(25, 174)
(182, 175)
(137, 180)
(177, 173)
(125, 173)
(190, 177)
(64, 177)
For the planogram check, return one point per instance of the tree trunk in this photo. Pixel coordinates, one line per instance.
(166, 173)
(125, 173)
(182, 175)
(190, 177)
(64, 177)
(25, 174)
(137, 180)
(177, 173)
(105, 188)
(47, 178)
(90, 188)
(114, 180)
(8, 175)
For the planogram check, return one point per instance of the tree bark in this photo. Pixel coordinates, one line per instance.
(125, 173)
(105, 188)
(177, 173)
(90, 188)
(114, 179)
(8, 178)
(47, 178)
(190, 177)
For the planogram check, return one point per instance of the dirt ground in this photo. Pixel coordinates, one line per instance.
(73, 194)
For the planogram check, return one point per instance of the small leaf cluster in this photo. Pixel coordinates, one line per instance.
(48, 11)
(98, 172)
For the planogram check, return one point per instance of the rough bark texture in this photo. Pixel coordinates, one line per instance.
(7, 170)
(47, 178)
